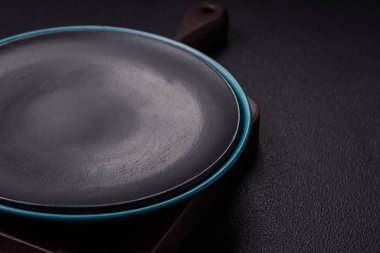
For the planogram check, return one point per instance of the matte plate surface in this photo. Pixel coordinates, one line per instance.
(100, 120)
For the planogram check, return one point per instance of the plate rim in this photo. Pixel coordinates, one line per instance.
(246, 120)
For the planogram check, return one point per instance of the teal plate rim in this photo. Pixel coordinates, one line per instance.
(231, 81)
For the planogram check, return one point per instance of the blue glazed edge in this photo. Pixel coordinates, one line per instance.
(246, 128)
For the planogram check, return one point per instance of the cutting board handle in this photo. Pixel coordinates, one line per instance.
(204, 26)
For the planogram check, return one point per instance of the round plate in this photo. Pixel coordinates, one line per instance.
(99, 119)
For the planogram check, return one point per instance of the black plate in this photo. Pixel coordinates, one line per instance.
(99, 120)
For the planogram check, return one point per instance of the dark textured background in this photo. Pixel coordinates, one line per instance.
(313, 66)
